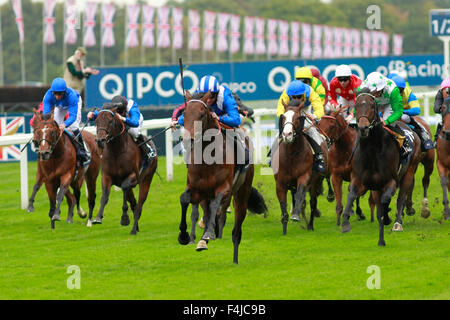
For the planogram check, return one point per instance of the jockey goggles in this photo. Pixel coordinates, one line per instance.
(58, 93)
(343, 79)
(295, 97)
(304, 80)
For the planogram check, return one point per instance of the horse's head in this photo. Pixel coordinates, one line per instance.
(366, 112)
(46, 134)
(333, 125)
(291, 122)
(197, 116)
(445, 111)
(109, 125)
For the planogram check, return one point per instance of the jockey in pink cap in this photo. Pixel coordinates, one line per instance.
(442, 94)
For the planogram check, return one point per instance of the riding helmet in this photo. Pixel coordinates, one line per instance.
(58, 85)
(208, 83)
(296, 88)
(399, 81)
(343, 70)
(303, 73)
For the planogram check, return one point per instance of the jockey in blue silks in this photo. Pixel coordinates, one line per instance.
(65, 99)
(225, 109)
(129, 113)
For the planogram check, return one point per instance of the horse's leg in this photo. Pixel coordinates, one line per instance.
(36, 188)
(240, 201)
(385, 200)
(194, 218)
(125, 219)
(337, 186)
(359, 213)
(106, 188)
(300, 196)
(144, 187)
(428, 165)
(372, 207)
(214, 207)
(282, 198)
(445, 185)
(380, 216)
(408, 201)
(356, 189)
(185, 199)
(222, 218)
(91, 181)
(71, 202)
(331, 194)
(51, 188)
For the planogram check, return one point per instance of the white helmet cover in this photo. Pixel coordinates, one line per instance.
(343, 70)
(375, 81)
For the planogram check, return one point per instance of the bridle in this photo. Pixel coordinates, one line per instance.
(109, 138)
(336, 126)
(207, 109)
(52, 144)
(376, 120)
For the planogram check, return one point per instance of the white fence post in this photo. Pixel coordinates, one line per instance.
(257, 139)
(169, 155)
(24, 176)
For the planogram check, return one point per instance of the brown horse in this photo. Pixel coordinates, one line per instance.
(57, 167)
(293, 166)
(342, 138)
(121, 162)
(376, 166)
(212, 182)
(443, 155)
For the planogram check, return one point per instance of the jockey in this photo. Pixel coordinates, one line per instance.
(316, 73)
(442, 94)
(129, 113)
(411, 107)
(66, 99)
(344, 85)
(225, 110)
(389, 100)
(401, 73)
(304, 74)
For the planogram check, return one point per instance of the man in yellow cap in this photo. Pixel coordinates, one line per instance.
(75, 71)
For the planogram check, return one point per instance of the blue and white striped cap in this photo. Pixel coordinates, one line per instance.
(208, 83)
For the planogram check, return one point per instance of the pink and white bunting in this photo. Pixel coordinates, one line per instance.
(260, 44)
(356, 42)
(235, 35)
(317, 41)
(367, 43)
(397, 44)
(338, 42)
(148, 26)
(108, 11)
(177, 28)
(132, 38)
(163, 40)
(272, 43)
(376, 43)
(49, 21)
(295, 39)
(328, 35)
(17, 7)
(90, 10)
(306, 41)
(194, 30)
(348, 44)
(283, 38)
(209, 21)
(384, 43)
(70, 35)
(222, 31)
(249, 25)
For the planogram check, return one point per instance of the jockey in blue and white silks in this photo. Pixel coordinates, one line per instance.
(65, 99)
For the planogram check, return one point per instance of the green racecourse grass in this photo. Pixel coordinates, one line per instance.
(319, 264)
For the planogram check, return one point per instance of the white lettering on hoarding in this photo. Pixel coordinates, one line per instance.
(271, 79)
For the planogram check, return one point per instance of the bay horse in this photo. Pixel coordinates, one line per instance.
(57, 167)
(342, 138)
(293, 163)
(121, 162)
(212, 182)
(376, 166)
(443, 155)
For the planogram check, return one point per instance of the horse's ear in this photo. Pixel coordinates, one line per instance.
(284, 104)
(206, 96)
(188, 95)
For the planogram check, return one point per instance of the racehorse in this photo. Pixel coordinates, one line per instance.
(213, 182)
(342, 138)
(293, 163)
(57, 167)
(376, 166)
(443, 155)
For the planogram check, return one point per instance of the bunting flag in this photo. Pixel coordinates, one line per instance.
(163, 40)
(367, 41)
(295, 39)
(384, 43)
(249, 24)
(49, 21)
(306, 40)
(177, 28)
(328, 35)
(148, 38)
(132, 14)
(194, 30)
(260, 45)
(108, 11)
(272, 43)
(90, 11)
(375, 45)
(338, 42)
(397, 44)
(222, 31)
(209, 21)
(348, 43)
(317, 41)
(283, 38)
(70, 35)
(17, 7)
(356, 42)
(235, 35)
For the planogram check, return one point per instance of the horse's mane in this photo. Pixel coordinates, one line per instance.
(295, 102)
(46, 116)
(198, 95)
(364, 90)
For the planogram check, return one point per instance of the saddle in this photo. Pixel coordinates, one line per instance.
(405, 142)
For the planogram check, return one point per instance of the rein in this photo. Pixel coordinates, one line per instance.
(219, 126)
(108, 138)
(375, 121)
(52, 145)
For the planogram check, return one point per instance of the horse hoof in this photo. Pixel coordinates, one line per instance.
(69, 220)
(410, 211)
(361, 217)
(397, 227)
(56, 217)
(295, 217)
(201, 224)
(125, 221)
(97, 221)
(346, 227)
(446, 216)
(381, 243)
(191, 242)
(81, 213)
(425, 213)
(330, 198)
(89, 223)
(183, 238)
(387, 221)
(30, 209)
(201, 245)
(317, 213)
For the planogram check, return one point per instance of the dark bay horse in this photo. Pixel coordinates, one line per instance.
(57, 167)
(376, 166)
(121, 162)
(293, 166)
(213, 181)
(342, 138)
(443, 156)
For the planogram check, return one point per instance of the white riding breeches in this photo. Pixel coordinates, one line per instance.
(136, 131)
(60, 113)
(312, 132)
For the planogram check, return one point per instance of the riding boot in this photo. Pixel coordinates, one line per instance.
(147, 151)
(82, 154)
(241, 149)
(318, 161)
(438, 130)
(425, 142)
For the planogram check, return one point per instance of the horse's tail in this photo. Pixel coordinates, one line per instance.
(256, 203)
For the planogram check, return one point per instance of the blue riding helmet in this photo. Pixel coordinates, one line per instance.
(399, 81)
(58, 85)
(208, 83)
(296, 88)
(392, 75)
